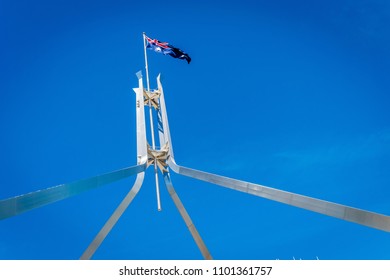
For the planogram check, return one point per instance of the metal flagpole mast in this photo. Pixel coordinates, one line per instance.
(151, 125)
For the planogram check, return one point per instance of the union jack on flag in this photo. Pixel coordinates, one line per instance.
(165, 48)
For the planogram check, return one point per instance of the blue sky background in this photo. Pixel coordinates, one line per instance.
(288, 94)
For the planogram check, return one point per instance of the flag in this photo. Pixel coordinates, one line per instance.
(166, 48)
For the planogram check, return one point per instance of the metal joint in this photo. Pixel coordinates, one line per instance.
(160, 157)
(151, 98)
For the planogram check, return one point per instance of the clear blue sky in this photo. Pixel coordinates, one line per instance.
(289, 94)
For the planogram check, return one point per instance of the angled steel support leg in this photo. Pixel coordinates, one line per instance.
(141, 158)
(163, 131)
(184, 214)
(343, 212)
(114, 218)
(359, 216)
(26, 202)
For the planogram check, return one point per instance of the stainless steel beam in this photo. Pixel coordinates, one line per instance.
(186, 217)
(26, 202)
(22, 203)
(90, 251)
(164, 139)
(142, 150)
(142, 159)
(163, 128)
(355, 215)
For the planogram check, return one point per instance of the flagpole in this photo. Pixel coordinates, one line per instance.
(151, 126)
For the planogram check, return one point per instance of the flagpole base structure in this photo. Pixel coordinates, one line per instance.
(163, 159)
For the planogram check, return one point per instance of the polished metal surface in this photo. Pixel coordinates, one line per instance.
(359, 216)
(22, 203)
(150, 104)
(186, 217)
(142, 158)
(142, 150)
(160, 157)
(90, 251)
(164, 133)
(165, 141)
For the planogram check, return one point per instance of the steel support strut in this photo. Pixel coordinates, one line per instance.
(166, 142)
(19, 204)
(187, 219)
(142, 159)
(114, 218)
(343, 212)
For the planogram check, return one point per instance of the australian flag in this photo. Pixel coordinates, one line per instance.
(166, 48)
